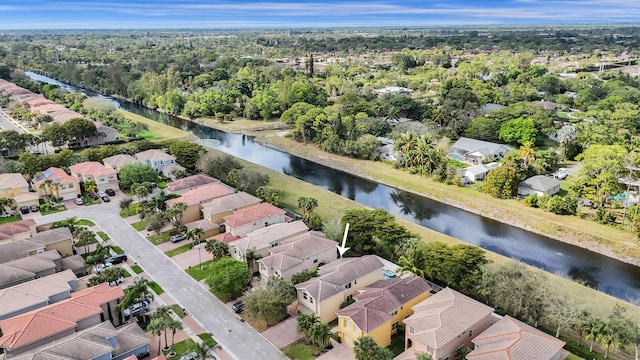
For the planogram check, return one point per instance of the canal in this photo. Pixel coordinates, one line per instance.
(604, 273)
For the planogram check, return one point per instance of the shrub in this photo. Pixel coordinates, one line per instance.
(531, 200)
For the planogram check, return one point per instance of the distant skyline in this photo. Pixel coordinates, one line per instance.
(217, 14)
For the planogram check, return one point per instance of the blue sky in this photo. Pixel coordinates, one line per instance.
(117, 14)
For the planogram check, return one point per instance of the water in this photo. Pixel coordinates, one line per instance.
(606, 274)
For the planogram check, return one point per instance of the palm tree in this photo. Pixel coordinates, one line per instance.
(527, 153)
(125, 204)
(46, 186)
(217, 248)
(176, 212)
(305, 324)
(195, 234)
(102, 249)
(134, 293)
(90, 186)
(416, 262)
(592, 331)
(321, 335)
(365, 347)
(250, 257)
(155, 327)
(174, 325)
(141, 192)
(84, 236)
(164, 313)
(307, 204)
(203, 350)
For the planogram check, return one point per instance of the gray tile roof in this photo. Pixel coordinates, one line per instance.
(293, 250)
(540, 183)
(335, 275)
(191, 182)
(484, 147)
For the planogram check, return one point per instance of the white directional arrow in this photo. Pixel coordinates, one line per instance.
(342, 249)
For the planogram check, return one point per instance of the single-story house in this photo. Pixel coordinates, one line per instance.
(540, 185)
(477, 151)
(474, 173)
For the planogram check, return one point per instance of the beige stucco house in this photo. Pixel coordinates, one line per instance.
(338, 281)
(248, 219)
(14, 186)
(218, 208)
(262, 240)
(117, 162)
(104, 177)
(197, 198)
(158, 159)
(62, 184)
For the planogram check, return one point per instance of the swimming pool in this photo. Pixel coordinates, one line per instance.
(454, 157)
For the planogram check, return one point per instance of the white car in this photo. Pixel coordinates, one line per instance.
(102, 194)
(102, 267)
(79, 201)
(561, 174)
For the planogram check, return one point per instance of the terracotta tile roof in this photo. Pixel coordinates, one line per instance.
(252, 214)
(444, 316)
(230, 202)
(120, 160)
(226, 237)
(92, 168)
(335, 275)
(154, 155)
(56, 174)
(13, 181)
(9, 230)
(510, 339)
(294, 250)
(202, 194)
(375, 304)
(50, 320)
(190, 182)
(264, 237)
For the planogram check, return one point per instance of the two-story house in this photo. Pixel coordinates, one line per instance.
(218, 208)
(61, 185)
(262, 240)
(248, 219)
(197, 198)
(14, 186)
(17, 230)
(190, 182)
(300, 253)
(380, 308)
(336, 283)
(442, 324)
(104, 177)
(117, 162)
(158, 159)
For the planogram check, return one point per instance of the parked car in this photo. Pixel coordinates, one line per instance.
(102, 267)
(24, 209)
(79, 201)
(33, 208)
(561, 174)
(237, 307)
(106, 198)
(190, 356)
(102, 193)
(178, 237)
(136, 309)
(110, 192)
(117, 259)
(117, 282)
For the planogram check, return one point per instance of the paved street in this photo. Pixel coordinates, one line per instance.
(238, 338)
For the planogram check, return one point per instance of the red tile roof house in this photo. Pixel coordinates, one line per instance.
(511, 339)
(443, 323)
(86, 308)
(188, 183)
(104, 177)
(197, 198)
(297, 254)
(338, 281)
(17, 230)
(253, 218)
(69, 186)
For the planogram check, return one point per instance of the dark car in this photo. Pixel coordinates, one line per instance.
(178, 237)
(106, 198)
(237, 307)
(110, 192)
(33, 208)
(117, 259)
(24, 209)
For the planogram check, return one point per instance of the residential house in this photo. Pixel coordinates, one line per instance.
(158, 159)
(512, 339)
(17, 230)
(85, 309)
(190, 182)
(170, 171)
(474, 173)
(540, 185)
(104, 177)
(117, 162)
(477, 152)
(387, 149)
(442, 324)
(62, 184)
(248, 219)
(218, 208)
(106, 134)
(338, 282)
(397, 90)
(36, 266)
(102, 341)
(59, 239)
(14, 186)
(262, 240)
(489, 108)
(37, 293)
(195, 199)
(300, 253)
(380, 308)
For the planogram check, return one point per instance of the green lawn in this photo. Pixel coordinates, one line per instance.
(301, 351)
(103, 236)
(208, 340)
(397, 343)
(574, 357)
(156, 288)
(85, 222)
(178, 310)
(118, 250)
(53, 210)
(199, 273)
(137, 269)
(92, 241)
(164, 237)
(178, 250)
(182, 347)
(10, 219)
(157, 131)
(133, 210)
(140, 225)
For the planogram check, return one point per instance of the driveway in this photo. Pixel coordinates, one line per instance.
(235, 336)
(283, 333)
